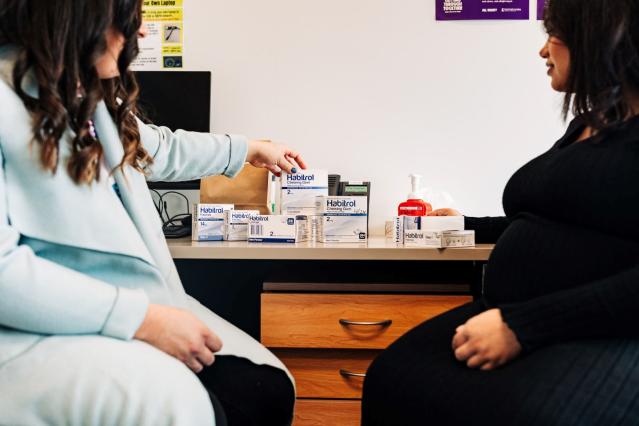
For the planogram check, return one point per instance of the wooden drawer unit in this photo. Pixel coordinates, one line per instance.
(318, 412)
(346, 321)
(327, 373)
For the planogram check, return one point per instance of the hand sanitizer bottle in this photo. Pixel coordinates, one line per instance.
(415, 205)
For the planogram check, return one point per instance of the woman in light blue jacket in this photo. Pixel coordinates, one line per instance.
(95, 326)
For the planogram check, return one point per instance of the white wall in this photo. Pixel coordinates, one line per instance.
(377, 89)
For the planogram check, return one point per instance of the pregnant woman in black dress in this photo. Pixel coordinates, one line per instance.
(554, 339)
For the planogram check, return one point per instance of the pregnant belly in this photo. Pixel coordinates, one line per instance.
(535, 256)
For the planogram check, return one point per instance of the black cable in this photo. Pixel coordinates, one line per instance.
(188, 210)
(163, 211)
(158, 206)
(166, 211)
(174, 218)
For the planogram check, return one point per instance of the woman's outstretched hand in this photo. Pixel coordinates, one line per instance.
(274, 157)
(445, 212)
(485, 341)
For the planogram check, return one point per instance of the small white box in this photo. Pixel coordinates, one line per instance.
(236, 224)
(342, 219)
(422, 238)
(278, 229)
(208, 221)
(398, 229)
(298, 191)
(458, 239)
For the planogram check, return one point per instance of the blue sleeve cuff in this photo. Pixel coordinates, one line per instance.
(127, 313)
(238, 150)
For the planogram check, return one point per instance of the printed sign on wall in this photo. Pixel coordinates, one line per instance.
(448, 10)
(162, 47)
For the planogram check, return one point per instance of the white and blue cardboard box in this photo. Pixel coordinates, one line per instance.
(299, 190)
(236, 224)
(343, 219)
(208, 221)
(278, 229)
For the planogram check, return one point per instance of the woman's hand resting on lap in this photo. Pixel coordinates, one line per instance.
(180, 334)
(274, 157)
(486, 341)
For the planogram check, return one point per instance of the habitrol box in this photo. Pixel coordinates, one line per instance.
(342, 219)
(421, 238)
(236, 224)
(300, 189)
(278, 229)
(208, 221)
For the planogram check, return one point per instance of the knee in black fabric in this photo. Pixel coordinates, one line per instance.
(251, 394)
(278, 398)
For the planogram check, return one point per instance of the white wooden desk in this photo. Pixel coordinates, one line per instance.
(377, 248)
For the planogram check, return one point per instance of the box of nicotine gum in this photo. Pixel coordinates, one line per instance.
(458, 238)
(438, 239)
(297, 196)
(278, 229)
(342, 219)
(421, 238)
(208, 221)
(236, 224)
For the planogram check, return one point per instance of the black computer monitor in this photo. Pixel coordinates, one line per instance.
(177, 100)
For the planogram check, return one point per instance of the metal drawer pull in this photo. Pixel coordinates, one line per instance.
(348, 374)
(384, 323)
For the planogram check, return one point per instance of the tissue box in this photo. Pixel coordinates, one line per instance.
(434, 223)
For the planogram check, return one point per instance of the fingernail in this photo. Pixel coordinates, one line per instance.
(293, 170)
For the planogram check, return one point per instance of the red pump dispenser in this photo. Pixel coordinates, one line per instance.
(415, 205)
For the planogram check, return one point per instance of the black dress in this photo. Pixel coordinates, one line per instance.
(565, 274)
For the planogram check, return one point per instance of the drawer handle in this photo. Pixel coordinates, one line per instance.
(348, 374)
(384, 323)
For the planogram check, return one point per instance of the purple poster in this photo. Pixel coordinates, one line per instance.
(540, 9)
(448, 10)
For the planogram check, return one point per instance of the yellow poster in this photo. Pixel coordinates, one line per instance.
(162, 47)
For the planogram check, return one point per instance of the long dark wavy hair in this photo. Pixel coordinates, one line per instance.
(59, 41)
(603, 39)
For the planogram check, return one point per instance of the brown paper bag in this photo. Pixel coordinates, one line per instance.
(248, 190)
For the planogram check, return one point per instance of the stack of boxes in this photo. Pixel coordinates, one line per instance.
(308, 213)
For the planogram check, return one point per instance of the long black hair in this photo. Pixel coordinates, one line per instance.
(59, 41)
(603, 39)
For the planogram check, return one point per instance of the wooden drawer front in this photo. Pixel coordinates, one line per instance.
(326, 412)
(313, 320)
(325, 373)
